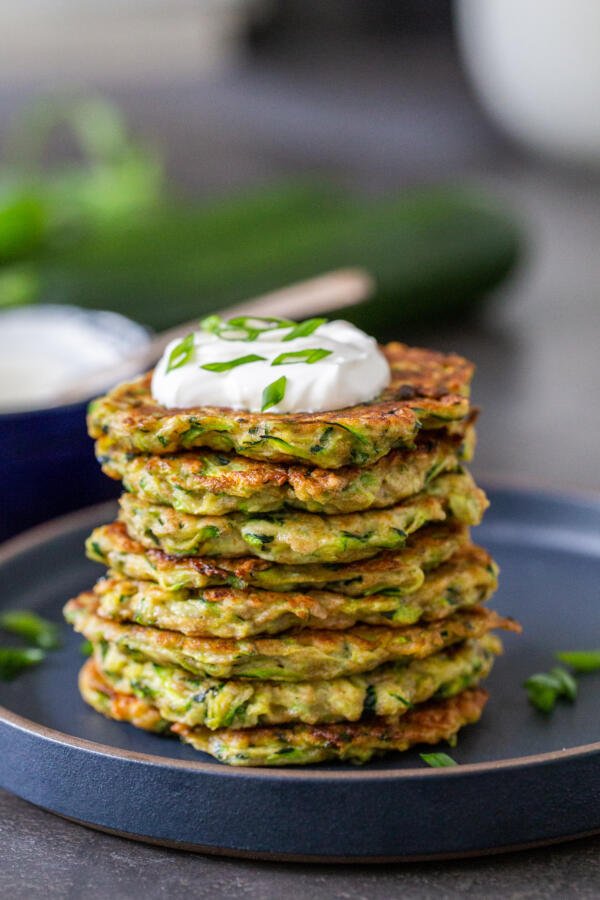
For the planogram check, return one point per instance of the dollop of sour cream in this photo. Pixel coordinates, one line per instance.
(333, 366)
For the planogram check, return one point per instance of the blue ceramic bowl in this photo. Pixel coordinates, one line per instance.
(47, 464)
(47, 467)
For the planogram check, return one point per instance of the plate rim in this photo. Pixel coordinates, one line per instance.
(45, 532)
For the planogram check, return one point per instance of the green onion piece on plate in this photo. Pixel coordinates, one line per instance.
(542, 692)
(32, 628)
(14, 660)
(438, 760)
(544, 689)
(580, 660)
(566, 682)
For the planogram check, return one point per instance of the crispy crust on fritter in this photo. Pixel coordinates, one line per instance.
(387, 692)
(469, 578)
(98, 692)
(299, 537)
(295, 656)
(400, 571)
(295, 744)
(355, 742)
(427, 390)
(208, 483)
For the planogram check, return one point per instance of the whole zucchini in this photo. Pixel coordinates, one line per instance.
(435, 254)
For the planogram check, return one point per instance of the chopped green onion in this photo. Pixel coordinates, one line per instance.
(301, 356)
(581, 660)
(438, 760)
(86, 648)
(271, 322)
(211, 324)
(181, 354)
(32, 628)
(273, 393)
(404, 701)
(544, 689)
(540, 693)
(304, 329)
(238, 334)
(242, 328)
(568, 685)
(14, 660)
(232, 363)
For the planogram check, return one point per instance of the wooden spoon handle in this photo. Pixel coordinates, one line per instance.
(325, 293)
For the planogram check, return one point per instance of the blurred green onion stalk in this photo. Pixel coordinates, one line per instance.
(105, 233)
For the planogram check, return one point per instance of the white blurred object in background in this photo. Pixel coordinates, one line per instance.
(116, 41)
(47, 351)
(536, 67)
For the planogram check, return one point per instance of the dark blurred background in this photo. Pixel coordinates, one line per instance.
(467, 131)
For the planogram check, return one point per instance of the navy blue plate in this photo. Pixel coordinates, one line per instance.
(523, 778)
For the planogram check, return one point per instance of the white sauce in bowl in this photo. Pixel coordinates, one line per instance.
(46, 350)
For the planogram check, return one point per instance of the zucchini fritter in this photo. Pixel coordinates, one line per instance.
(298, 537)
(355, 742)
(294, 656)
(388, 692)
(470, 577)
(295, 744)
(394, 572)
(214, 484)
(427, 390)
(97, 691)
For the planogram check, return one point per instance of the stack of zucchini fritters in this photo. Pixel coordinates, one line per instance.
(293, 588)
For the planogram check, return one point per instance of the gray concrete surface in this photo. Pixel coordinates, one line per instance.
(45, 858)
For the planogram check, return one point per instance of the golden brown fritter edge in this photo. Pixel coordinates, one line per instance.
(468, 579)
(204, 482)
(427, 390)
(293, 656)
(430, 546)
(428, 723)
